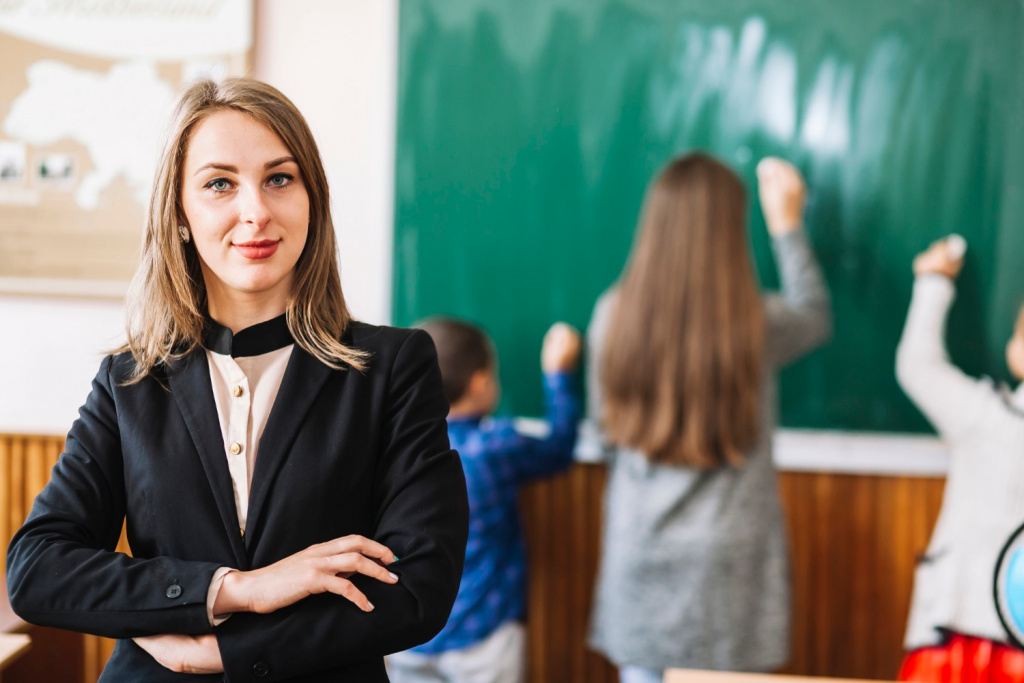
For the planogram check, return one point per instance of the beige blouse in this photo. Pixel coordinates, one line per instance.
(246, 370)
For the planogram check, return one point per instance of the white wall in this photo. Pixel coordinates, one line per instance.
(336, 59)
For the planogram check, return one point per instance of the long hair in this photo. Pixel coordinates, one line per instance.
(681, 370)
(167, 302)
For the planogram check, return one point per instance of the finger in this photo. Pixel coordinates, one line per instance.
(767, 167)
(353, 562)
(956, 246)
(347, 590)
(358, 544)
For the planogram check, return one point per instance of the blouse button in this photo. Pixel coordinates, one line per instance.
(237, 391)
(235, 448)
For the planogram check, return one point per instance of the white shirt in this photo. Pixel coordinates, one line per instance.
(983, 427)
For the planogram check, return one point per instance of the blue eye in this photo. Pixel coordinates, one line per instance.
(218, 185)
(279, 179)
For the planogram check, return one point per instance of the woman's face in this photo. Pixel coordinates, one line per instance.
(247, 208)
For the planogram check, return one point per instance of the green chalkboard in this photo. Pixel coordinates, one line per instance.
(528, 130)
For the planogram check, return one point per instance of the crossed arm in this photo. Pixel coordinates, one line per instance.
(328, 605)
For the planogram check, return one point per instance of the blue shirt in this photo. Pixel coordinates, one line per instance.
(497, 460)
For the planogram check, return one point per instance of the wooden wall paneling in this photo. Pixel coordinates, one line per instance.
(536, 519)
(854, 542)
(561, 522)
(17, 510)
(6, 506)
(894, 566)
(800, 556)
(36, 471)
(568, 632)
(557, 615)
(581, 556)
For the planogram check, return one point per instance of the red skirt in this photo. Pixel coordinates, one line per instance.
(964, 659)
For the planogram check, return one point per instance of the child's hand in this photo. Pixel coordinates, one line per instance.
(940, 259)
(783, 193)
(561, 351)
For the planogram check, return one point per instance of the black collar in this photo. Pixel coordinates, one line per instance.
(252, 341)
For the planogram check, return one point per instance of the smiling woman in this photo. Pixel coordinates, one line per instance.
(272, 458)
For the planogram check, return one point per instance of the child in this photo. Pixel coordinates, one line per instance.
(684, 349)
(954, 632)
(484, 640)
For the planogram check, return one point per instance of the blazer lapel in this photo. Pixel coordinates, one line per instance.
(303, 379)
(191, 388)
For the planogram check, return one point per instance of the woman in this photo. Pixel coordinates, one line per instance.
(272, 458)
(693, 568)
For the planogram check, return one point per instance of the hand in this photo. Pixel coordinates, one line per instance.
(561, 350)
(783, 194)
(321, 568)
(938, 259)
(184, 654)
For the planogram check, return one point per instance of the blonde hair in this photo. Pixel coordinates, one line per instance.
(167, 302)
(681, 371)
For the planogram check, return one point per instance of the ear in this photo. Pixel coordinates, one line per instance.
(478, 382)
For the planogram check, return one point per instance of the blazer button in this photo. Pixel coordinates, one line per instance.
(173, 591)
(260, 669)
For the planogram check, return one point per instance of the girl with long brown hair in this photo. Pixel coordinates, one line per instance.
(270, 458)
(682, 357)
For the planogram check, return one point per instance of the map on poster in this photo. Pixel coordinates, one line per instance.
(85, 92)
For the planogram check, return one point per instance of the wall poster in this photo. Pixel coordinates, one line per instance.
(85, 92)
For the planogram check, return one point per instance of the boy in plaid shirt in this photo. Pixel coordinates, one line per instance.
(484, 639)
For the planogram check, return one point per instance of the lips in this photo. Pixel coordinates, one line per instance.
(257, 250)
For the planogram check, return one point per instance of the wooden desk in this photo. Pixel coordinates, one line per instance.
(9, 621)
(694, 676)
(12, 646)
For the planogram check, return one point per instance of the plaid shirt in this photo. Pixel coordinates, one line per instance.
(497, 460)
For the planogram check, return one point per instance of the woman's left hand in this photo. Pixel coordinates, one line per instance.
(184, 654)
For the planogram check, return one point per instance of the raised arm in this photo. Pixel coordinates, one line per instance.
(62, 570)
(946, 396)
(529, 457)
(422, 513)
(799, 318)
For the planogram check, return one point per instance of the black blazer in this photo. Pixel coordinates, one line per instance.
(343, 452)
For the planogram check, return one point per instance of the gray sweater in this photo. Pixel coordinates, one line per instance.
(694, 565)
(983, 427)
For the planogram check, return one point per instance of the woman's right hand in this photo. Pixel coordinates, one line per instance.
(938, 259)
(783, 194)
(321, 568)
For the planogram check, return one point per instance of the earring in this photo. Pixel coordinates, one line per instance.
(184, 234)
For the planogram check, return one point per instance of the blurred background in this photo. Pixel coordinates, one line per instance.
(488, 159)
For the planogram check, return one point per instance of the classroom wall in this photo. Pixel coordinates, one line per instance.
(336, 60)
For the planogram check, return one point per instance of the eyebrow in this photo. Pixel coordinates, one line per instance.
(234, 169)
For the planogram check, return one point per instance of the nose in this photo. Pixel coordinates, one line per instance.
(253, 209)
